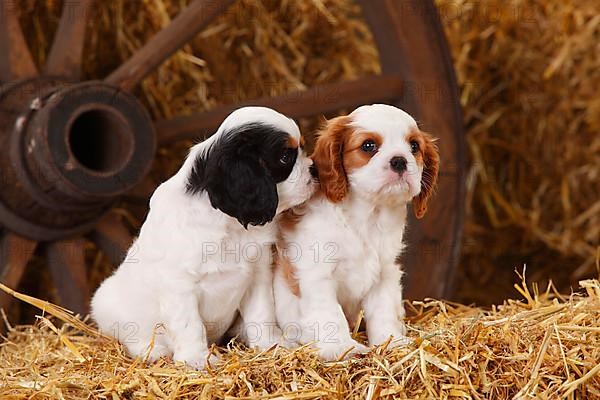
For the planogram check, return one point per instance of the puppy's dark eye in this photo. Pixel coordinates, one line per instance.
(288, 156)
(369, 146)
(414, 146)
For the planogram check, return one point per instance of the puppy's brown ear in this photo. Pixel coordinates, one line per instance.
(431, 166)
(328, 158)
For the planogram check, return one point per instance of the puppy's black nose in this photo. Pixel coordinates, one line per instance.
(398, 164)
(313, 171)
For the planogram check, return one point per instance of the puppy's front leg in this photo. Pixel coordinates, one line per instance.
(258, 326)
(323, 319)
(384, 311)
(185, 328)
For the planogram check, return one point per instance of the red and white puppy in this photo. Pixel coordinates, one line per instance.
(339, 251)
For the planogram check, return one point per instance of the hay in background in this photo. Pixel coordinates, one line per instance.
(255, 49)
(544, 346)
(529, 73)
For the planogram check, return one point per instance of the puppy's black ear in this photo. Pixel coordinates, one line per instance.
(243, 189)
(236, 179)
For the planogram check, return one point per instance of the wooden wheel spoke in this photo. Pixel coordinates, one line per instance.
(317, 100)
(65, 56)
(182, 29)
(15, 253)
(112, 238)
(69, 273)
(15, 59)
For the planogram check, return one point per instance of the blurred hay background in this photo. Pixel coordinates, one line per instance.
(529, 74)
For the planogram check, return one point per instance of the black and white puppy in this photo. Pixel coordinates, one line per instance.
(203, 254)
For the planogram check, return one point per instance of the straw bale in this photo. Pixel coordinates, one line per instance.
(543, 346)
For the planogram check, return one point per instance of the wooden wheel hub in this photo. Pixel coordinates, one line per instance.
(67, 151)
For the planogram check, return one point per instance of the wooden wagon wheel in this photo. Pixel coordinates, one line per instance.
(70, 148)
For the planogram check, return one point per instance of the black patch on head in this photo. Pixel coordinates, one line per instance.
(240, 172)
(195, 183)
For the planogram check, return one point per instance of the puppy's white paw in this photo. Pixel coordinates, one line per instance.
(282, 341)
(289, 344)
(333, 351)
(196, 360)
(213, 359)
(156, 353)
(275, 338)
(397, 332)
(399, 341)
(286, 342)
(144, 352)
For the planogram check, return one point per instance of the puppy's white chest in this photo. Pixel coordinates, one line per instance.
(225, 276)
(368, 246)
(235, 251)
(219, 298)
(359, 262)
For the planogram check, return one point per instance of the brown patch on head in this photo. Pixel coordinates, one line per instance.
(354, 156)
(328, 158)
(338, 151)
(417, 136)
(292, 142)
(428, 157)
